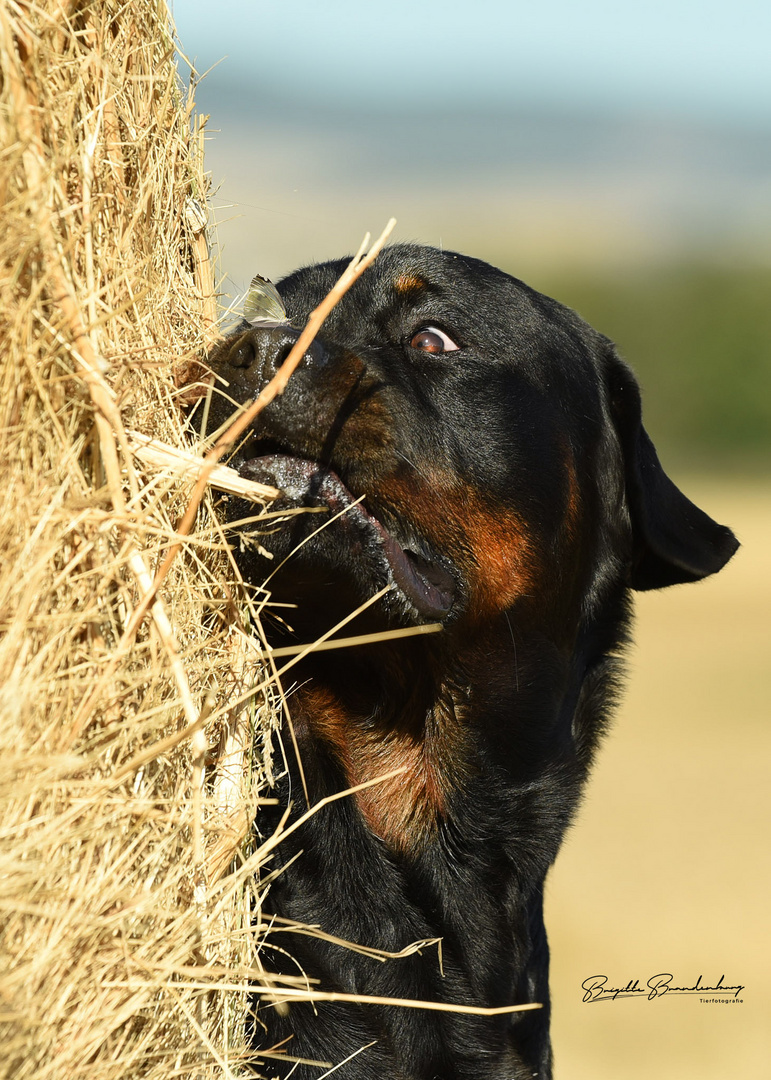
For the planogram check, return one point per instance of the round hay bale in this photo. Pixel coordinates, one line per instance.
(133, 736)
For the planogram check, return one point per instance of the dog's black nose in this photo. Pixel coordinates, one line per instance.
(262, 351)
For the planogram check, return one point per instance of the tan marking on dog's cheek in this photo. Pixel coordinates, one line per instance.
(572, 517)
(493, 549)
(506, 565)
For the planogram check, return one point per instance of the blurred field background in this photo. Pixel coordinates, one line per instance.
(618, 158)
(667, 869)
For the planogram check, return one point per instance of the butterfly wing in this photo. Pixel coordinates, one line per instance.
(263, 306)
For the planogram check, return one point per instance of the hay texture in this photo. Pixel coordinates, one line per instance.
(128, 713)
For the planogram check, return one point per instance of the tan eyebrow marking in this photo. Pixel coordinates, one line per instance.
(406, 283)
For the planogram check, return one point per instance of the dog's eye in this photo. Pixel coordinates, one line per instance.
(429, 339)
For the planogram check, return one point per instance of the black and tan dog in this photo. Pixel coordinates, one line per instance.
(479, 448)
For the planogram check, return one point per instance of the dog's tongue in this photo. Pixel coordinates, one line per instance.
(428, 587)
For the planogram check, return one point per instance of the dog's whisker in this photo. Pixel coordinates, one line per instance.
(412, 465)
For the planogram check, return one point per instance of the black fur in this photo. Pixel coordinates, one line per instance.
(516, 472)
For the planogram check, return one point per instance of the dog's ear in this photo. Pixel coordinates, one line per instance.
(673, 540)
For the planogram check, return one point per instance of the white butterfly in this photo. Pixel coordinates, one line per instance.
(263, 306)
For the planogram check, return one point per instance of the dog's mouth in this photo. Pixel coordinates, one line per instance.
(427, 585)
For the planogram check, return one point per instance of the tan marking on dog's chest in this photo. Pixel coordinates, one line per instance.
(405, 810)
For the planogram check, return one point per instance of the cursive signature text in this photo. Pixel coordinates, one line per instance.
(597, 988)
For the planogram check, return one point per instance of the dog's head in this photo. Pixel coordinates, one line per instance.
(471, 443)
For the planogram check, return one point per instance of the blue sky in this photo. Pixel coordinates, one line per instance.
(527, 133)
(701, 58)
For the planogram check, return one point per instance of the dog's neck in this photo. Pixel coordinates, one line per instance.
(416, 731)
(423, 751)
